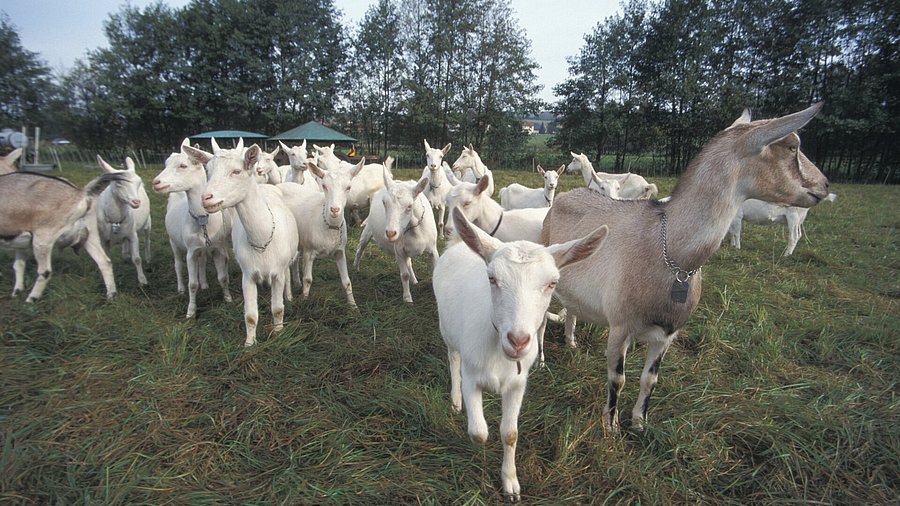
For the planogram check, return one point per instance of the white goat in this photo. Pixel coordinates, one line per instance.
(764, 213)
(368, 181)
(266, 169)
(124, 214)
(402, 223)
(299, 160)
(8, 162)
(491, 299)
(644, 281)
(320, 221)
(36, 210)
(472, 168)
(517, 196)
(438, 186)
(609, 187)
(478, 206)
(264, 236)
(633, 186)
(192, 232)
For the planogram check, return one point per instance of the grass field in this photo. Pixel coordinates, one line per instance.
(783, 387)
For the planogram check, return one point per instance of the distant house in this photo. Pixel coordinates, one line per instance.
(528, 128)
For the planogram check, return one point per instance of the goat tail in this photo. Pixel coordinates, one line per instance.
(96, 186)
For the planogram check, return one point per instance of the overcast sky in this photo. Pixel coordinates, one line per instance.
(61, 31)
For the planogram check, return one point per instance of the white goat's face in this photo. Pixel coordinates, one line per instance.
(467, 159)
(608, 187)
(400, 210)
(181, 173)
(522, 276)
(265, 165)
(336, 185)
(434, 157)
(579, 163)
(129, 190)
(551, 178)
(466, 197)
(326, 157)
(231, 174)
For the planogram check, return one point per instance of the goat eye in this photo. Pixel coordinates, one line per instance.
(235, 173)
(552, 285)
(466, 204)
(492, 280)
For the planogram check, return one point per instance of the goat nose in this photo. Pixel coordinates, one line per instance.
(206, 197)
(390, 234)
(335, 211)
(518, 340)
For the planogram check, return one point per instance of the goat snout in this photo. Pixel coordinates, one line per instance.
(136, 203)
(159, 186)
(391, 235)
(335, 211)
(209, 203)
(518, 341)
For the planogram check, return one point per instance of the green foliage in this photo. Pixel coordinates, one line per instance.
(781, 389)
(25, 85)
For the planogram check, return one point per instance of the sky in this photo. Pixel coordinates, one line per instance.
(61, 31)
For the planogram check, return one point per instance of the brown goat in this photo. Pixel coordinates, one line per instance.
(644, 281)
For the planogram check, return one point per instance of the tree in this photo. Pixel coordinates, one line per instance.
(25, 81)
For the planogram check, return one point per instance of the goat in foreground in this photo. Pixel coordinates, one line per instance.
(517, 196)
(123, 212)
(764, 213)
(37, 209)
(491, 299)
(402, 223)
(192, 232)
(644, 281)
(264, 236)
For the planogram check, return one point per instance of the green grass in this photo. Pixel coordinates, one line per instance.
(781, 389)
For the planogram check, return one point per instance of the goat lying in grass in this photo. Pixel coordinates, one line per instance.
(633, 186)
(264, 236)
(192, 232)
(491, 299)
(402, 224)
(36, 210)
(764, 213)
(644, 281)
(516, 196)
(123, 215)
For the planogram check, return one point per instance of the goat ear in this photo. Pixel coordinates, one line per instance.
(745, 118)
(573, 154)
(186, 142)
(303, 146)
(775, 129)
(482, 185)
(215, 145)
(579, 249)
(275, 153)
(388, 176)
(540, 170)
(358, 168)
(427, 146)
(251, 156)
(197, 154)
(447, 148)
(285, 148)
(240, 144)
(129, 164)
(318, 172)
(561, 169)
(471, 148)
(420, 187)
(476, 239)
(13, 155)
(105, 167)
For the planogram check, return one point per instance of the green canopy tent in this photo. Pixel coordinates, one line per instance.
(234, 135)
(314, 132)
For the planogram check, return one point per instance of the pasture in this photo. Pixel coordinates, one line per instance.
(783, 387)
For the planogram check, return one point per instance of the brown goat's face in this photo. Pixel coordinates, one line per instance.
(773, 167)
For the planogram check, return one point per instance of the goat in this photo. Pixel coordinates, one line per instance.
(266, 169)
(8, 162)
(472, 168)
(633, 185)
(368, 181)
(123, 212)
(192, 232)
(264, 236)
(491, 299)
(764, 213)
(517, 196)
(402, 223)
(320, 221)
(298, 159)
(438, 187)
(644, 281)
(37, 209)
(478, 206)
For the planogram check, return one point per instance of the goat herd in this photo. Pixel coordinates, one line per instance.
(610, 252)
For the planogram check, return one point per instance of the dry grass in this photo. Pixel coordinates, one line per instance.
(782, 389)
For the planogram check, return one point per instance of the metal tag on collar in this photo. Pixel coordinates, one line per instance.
(116, 227)
(203, 220)
(679, 291)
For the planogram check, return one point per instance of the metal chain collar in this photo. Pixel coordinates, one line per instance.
(681, 275)
(271, 234)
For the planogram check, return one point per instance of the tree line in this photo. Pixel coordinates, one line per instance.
(658, 78)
